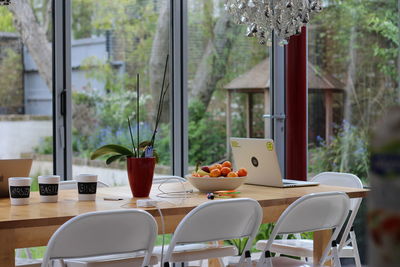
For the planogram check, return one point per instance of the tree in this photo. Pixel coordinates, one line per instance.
(159, 51)
(34, 38)
(213, 65)
(6, 20)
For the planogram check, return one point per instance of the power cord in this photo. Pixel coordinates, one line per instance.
(173, 194)
(163, 234)
(164, 194)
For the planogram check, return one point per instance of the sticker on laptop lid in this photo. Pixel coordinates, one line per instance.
(235, 144)
(270, 146)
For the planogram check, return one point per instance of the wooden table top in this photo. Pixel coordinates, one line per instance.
(68, 206)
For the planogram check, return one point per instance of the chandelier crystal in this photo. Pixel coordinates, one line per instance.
(5, 2)
(284, 17)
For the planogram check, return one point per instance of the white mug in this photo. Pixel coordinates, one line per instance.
(87, 187)
(19, 189)
(48, 188)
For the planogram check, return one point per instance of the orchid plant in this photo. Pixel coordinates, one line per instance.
(142, 149)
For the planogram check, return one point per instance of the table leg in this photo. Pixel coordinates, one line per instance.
(321, 240)
(7, 251)
(215, 262)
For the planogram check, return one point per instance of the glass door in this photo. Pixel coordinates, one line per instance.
(228, 79)
(26, 84)
(112, 42)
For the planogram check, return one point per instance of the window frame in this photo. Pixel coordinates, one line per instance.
(62, 97)
(278, 100)
(62, 111)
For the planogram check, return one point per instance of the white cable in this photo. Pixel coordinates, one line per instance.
(163, 234)
(173, 194)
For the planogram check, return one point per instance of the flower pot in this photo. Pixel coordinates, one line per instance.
(140, 174)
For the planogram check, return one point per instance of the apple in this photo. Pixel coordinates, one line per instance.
(206, 169)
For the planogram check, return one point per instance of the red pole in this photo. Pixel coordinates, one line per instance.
(296, 107)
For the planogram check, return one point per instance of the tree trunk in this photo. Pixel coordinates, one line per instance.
(34, 38)
(350, 94)
(213, 65)
(159, 51)
(398, 53)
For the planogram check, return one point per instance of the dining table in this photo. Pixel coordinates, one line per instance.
(32, 225)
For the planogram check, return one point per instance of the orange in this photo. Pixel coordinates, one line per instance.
(232, 174)
(225, 171)
(213, 167)
(227, 164)
(242, 172)
(215, 173)
(195, 175)
(216, 166)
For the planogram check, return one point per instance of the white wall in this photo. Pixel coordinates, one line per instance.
(21, 136)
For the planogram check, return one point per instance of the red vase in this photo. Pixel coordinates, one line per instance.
(140, 174)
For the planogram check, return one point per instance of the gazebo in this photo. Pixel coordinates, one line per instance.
(257, 81)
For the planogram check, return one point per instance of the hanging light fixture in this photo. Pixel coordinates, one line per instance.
(5, 2)
(284, 17)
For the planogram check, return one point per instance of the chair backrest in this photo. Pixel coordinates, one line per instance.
(313, 212)
(218, 220)
(341, 179)
(345, 180)
(103, 233)
(71, 184)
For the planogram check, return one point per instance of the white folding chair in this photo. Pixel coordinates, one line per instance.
(214, 221)
(310, 213)
(347, 245)
(101, 234)
(29, 261)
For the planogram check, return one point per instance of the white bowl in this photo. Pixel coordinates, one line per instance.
(211, 184)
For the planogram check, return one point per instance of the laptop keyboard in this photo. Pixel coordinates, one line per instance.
(288, 183)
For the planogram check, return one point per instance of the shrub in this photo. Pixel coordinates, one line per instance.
(207, 137)
(348, 151)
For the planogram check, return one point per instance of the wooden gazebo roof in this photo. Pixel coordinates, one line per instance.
(256, 80)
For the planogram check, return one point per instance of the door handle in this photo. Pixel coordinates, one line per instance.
(273, 117)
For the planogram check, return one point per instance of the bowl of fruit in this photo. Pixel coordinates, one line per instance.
(217, 177)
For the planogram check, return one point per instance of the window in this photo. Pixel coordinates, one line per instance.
(353, 78)
(26, 127)
(112, 41)
(228, 83)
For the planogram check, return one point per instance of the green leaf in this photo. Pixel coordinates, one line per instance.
(114, 158)
(155, 154)
(111, 149)
(144, 144)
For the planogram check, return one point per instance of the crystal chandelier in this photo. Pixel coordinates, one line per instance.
(5, 2)
(284, 17)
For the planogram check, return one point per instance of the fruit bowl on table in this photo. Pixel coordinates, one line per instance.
(211, 184)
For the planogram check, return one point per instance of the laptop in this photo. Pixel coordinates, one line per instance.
(258, 156)
(12, 168)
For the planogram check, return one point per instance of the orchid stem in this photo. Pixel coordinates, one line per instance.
(130, 131)
(137, 113)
